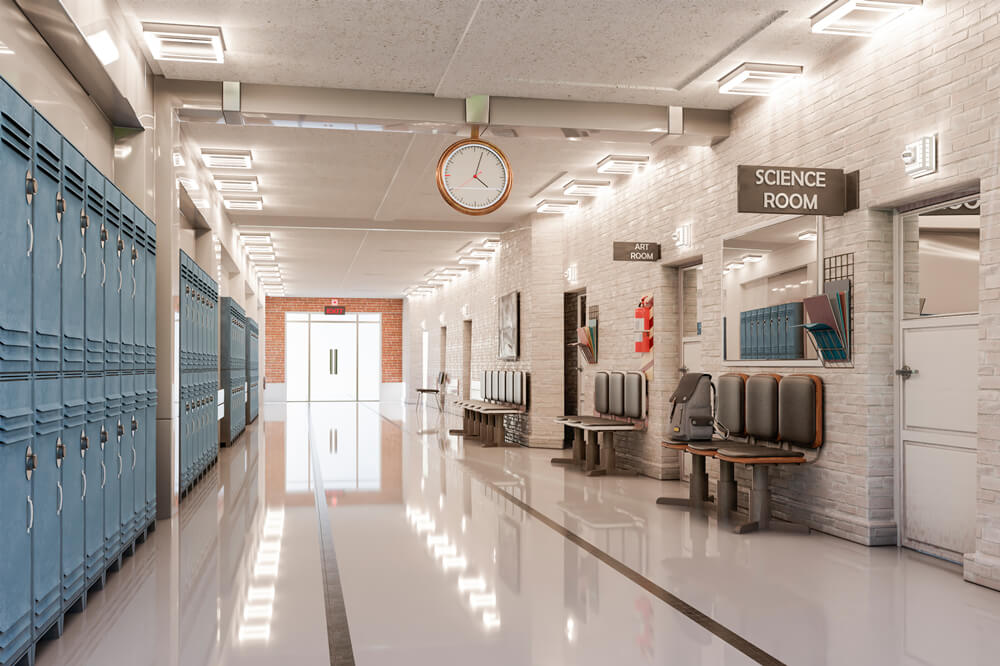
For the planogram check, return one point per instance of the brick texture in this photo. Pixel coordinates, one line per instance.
(937, 70)
(392, 331)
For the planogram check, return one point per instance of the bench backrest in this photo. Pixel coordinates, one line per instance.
(506, 386)
(620, 394)
(732, 402)
(786, 409)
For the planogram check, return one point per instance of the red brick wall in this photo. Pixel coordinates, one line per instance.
(392, 331)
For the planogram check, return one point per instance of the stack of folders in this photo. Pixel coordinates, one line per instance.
(586, 337)
(830, 320)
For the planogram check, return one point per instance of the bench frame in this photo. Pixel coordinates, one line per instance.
(484, 419)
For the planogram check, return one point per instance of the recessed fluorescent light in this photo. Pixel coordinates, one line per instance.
(184, 43)
(103, 47)
(735, 265)
(244, 204)
(756, 78)
(860, 18)
(586, 188)
(491, 243)
(481, 252)
(556, 206)
(622, 164)
(259, 249)
(751, 258)
(471, 261)
(233, 184)
(179, 160)
(256, 239)
(807, 236)
(215, 158)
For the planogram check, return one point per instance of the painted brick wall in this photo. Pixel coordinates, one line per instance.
(392, 331)
(936, 71)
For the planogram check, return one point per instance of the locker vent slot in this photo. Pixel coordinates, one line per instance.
(15, 136)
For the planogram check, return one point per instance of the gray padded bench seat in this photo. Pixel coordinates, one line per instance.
(620, 394)
(504, 392)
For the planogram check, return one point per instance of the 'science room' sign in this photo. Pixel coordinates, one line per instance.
(794, 190)
(637, 251)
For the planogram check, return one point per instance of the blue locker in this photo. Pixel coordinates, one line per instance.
(97, 473)
(139, 295)
(139, 465)
(113, 467)
(74, 226)
(743, 335)
(150, 295)
(16, 193)
(151, 452)
(113, 250)
(96, 274)
(17, 516)
(47, 497)
(74, 439)
(128, 285)
(770, 333)
(794, 330)
(47, 254)
(128, 453)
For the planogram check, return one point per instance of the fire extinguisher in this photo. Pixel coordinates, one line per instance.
(644, 325)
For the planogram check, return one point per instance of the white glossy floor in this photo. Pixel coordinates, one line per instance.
(439, 566)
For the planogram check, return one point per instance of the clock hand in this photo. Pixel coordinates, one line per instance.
(481, 181)
(478, 164)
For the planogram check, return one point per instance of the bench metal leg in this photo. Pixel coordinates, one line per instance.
(726, 491)
(698, 484)
(500, 430)
(760, 507)
(610, 466)
(577, 458)
(590, 462)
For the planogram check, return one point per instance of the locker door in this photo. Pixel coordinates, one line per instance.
(72, 474)
(139, 467)
(96, 473)
(128, 285)
(47, 496)
(139, 293)
(127, 470)
(47, 255)
(16, 428)
(150, 295)
(113, 464)
(97, 270)
(73, 265)
(16, 186)
(113, 283)
(150, 461)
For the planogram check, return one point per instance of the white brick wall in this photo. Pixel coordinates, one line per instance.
(936, 70)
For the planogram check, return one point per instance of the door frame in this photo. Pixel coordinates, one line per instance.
(357, 349)
(899, 510)
(682, 340)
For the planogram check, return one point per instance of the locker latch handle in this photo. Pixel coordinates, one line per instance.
(104, 436)
(104, 234)
(84, 222)
(84, 442)
(60, 206)
(121, 430)
(30, 463)
(60, 451)
(135, 424)
(30, 186)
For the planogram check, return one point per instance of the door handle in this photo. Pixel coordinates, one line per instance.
(31, 514)
(104, 474)
(133, 285)
(336, 361)
(84, 495)
(59, 487)
(59, 264)
(119, 278)
(121, 465)
(134, 456)
(104, 271)
(906, 372)
(331, 361)
(31, 237)
(84, 253)
(331, 440)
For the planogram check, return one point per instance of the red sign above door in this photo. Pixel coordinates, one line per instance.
(335, 309)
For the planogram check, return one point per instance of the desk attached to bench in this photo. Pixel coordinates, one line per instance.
(504, 392)
(620, 402)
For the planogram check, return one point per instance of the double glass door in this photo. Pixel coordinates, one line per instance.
(333, 357)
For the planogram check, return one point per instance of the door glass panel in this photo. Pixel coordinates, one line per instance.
(941, 261)
(297, 360)
(333, 359)
(369, 360)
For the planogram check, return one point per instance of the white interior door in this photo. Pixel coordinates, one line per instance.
(297, 358)
(938, 434)
(369, 359)
(333, 361)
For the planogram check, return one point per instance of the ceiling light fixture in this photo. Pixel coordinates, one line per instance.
(860, 18)
(179, 160)
(103, 47)
(751, 258)
(735, 265)
(556, 206)
(756, 78)
(185, 43)
(244, 204)
(255, 239)
(807, 235)
(491, 244)
(471, 261)
(624, 165)
(233, 184)
(586, 188)
(217, 158)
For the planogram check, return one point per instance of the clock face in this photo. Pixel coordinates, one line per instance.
(474, 177)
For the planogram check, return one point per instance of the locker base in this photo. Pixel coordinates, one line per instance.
(97, 583)
(26, 658)
(115, 565)
(54, 630)
(78, 605)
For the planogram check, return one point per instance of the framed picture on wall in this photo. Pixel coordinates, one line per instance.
(510, 326)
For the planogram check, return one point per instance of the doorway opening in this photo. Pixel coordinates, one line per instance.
(333, 358)
(466, 360)
(937, 320)
(689, 307)
(574, 316)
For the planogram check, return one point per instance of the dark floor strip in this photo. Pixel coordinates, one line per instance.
(689, 611)
(338, 632)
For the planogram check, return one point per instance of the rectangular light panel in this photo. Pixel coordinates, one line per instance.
(184, 43)
(860, 18)
(622, 164)
(556, 206)
(244, 204)
(242, 185)
(759, 79)
(586, 188)
(217, 158)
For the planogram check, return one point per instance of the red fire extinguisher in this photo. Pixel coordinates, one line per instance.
(644, 325)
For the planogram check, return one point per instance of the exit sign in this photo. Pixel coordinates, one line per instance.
(335, 309)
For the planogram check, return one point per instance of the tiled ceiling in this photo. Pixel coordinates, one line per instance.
(644, 51)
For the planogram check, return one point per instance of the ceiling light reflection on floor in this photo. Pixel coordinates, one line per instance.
(255, 632)
(458, 562)
(482, 600)
(491, 620)
(471, 584)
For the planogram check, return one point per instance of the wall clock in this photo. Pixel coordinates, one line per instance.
(474, 176)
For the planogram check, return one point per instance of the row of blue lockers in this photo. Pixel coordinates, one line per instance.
(78, 257)
(233, 370)
(77, 377)
(772, 333)
(253, 370)
(199, 380)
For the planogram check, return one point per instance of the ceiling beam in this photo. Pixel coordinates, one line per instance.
(277, 223)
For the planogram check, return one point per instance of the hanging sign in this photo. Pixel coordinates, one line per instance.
(637, 251)
(795, 190)
(335, 309)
